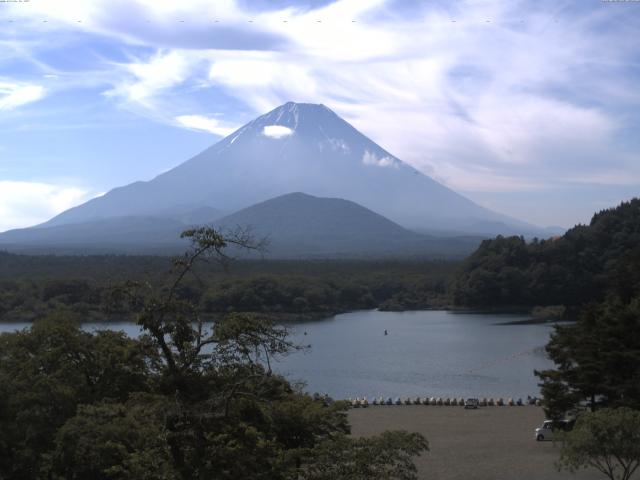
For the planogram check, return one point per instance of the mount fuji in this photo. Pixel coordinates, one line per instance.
(297, 147)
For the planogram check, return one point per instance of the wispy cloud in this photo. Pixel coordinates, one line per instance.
(165, 24)
(206, 124)
(147, 79)
(13, 95)
(370, 158)
(23, 204)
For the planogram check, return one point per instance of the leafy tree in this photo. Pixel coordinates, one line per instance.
(114, 440)
(607, 440)
(386, 457)
(46, 372)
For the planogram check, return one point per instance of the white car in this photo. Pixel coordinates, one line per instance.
(548, 427)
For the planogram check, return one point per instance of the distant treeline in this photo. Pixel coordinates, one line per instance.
(585, 265)
(31, 286)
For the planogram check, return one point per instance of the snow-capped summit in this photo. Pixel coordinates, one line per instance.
(304, 119)
(297, 147)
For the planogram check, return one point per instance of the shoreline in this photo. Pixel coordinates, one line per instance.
(318, 316)
(536, 321)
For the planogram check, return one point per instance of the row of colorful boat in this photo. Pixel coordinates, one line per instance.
(444, 401)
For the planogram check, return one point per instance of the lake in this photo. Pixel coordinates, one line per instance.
(426, 353)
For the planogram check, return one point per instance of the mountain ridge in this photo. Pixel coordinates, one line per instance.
(297, 147)
(301, 225)
(298, 226)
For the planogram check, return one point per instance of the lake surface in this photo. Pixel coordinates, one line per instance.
(426, 353)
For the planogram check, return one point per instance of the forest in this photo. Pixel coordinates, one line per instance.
(586, 264)
(31, 286)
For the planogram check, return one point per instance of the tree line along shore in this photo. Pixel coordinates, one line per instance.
(550, 277)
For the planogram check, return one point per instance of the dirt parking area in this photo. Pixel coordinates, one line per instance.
(492, 443)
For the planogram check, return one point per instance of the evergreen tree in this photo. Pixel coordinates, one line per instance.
(597, 359)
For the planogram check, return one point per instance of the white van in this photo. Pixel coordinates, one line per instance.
(548, 427)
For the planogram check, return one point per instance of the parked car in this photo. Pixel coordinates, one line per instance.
(471, 403)
(548, 427)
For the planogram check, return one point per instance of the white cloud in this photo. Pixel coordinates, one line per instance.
(13, 95)
(370, 158)
(23, 204)
(184, 24)
(200, 122)
(146, 79)
(263, 79)
(334, 32)
(276, 131)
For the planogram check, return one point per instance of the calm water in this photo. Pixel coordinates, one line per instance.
(427, 353)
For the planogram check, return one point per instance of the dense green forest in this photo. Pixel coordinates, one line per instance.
(584, 265)
(31, 286)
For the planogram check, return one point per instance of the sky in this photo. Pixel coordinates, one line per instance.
(530, 108)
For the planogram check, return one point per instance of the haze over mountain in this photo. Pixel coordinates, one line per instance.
(369, 200)
(296, 225)
(305, 148)
(131, 234)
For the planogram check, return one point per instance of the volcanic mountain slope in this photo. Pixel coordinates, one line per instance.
(300, 225)
(133, 234)
(305, 148)
(296, 225)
